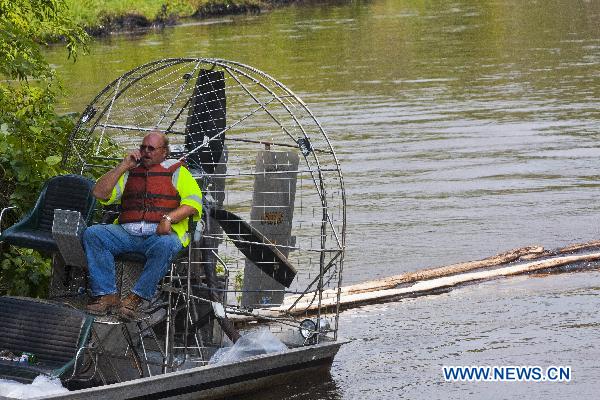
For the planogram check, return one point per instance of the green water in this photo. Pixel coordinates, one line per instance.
(464, 128)
(453, 120)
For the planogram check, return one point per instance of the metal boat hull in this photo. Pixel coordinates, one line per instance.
(217, 381)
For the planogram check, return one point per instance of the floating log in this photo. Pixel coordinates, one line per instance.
(563, 250)
(431, 280)
(580, 246)
(393, 281)
(432, 285)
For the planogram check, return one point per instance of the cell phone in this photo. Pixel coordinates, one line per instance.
(138, 161)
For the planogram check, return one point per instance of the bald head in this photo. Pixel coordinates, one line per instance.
(154, 148)
(161, 136)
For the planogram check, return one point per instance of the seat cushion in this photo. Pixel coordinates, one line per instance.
(37, 239)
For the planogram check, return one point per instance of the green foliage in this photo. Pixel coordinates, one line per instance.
(27, 24)
(23, 273)
(32, 140)
(32, 135)
(96, 13)
(92, 12)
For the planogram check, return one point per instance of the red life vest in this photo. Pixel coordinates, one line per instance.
(149, 194)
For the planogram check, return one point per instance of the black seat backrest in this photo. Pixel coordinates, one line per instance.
(52, 332)
(66, 192)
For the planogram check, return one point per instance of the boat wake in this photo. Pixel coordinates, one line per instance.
(41, 386)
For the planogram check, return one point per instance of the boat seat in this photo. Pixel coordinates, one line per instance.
(31, 238)
(54, 333)
(66, 192)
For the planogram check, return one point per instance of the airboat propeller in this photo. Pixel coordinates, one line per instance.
(205, 142)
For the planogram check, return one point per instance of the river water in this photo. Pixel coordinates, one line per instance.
(464, 128)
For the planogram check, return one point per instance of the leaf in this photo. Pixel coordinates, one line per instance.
(53, 160)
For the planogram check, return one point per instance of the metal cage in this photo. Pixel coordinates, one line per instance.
(259, 152)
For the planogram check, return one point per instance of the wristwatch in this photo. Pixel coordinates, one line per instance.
(167, 218)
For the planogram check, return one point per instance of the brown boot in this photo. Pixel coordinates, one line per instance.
(102, 305)
(128, 310)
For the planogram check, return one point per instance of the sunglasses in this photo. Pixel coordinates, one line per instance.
(149, 149)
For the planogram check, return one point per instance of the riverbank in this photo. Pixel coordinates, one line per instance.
(100, 18)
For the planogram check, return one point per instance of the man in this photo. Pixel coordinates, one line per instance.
(157, 197)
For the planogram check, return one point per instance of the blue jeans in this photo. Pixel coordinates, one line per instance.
(103, 242)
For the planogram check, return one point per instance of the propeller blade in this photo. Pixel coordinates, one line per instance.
(206, 119)
(254, 245)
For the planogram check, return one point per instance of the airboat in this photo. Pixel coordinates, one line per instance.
(252, 301)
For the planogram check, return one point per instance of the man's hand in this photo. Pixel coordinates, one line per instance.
(179, 214)
(132, 160)
(104, 186)
(164, 227)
